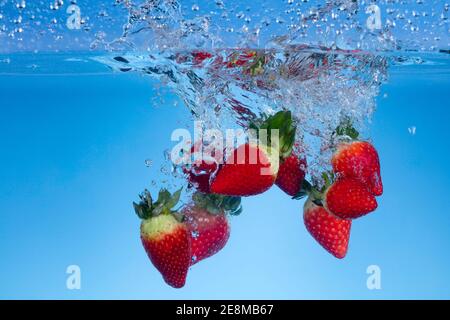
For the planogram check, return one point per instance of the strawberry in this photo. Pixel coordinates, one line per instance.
(208, 224)
(166, 240)
(328, 230)
(291, 174)
(200, 56)
(252, 169)
(199, 175)
(203, 167)
(359, 159)
(348, 198)
(240, 58)
(209, 232)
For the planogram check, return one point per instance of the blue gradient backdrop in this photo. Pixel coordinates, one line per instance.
(72, 160)
(72, 151)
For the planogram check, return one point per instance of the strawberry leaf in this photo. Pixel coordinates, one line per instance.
(139, 210)
(236, 212)
(346, 129)
(318, 202)
(283, 122)
(217, 204)
(163, 196)
(300, 195)
(173, 200)
(308, 189)
(146, 208)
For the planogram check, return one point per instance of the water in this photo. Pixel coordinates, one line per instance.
(86, 125)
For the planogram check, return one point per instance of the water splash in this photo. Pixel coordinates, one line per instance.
(154, 25)
(229, 88)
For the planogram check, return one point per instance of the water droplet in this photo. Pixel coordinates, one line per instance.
(240, 15)
(21, 5)
(195, 234)
(148, 163)
(18, 20)
(194, 258)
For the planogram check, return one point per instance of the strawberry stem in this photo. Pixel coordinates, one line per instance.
(147, 209)
(309, 190)
(218, 204)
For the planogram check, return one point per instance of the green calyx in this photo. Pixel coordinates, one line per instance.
(346, 129)
(218, 204)
(315, 193)
(165, 203)
(257, 67)
(281, 121)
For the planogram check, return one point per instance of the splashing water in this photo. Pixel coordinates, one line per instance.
(154, 25)
(229, 88)
(266, 67)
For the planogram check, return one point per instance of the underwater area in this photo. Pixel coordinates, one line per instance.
(91, 93)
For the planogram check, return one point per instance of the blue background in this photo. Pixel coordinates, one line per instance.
(72, 160)
(72, 152)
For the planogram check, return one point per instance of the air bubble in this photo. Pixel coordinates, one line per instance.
(240, 15)
(195, 234)
(21, 5)
(148, 163)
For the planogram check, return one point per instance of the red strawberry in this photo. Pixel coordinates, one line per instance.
(208, 224)
(203, 167)
(200, 56)
(359, 160)
(209, 232)
(291, 174)
(348, 198)
(329, 231)
(199, 175)
(240, 58)
(250, 171)
(166, 240)
(254, 168)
